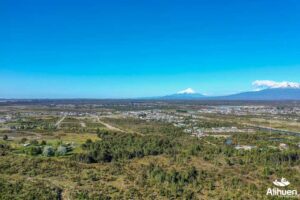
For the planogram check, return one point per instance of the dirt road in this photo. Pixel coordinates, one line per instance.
(57, 124)
(107, 125)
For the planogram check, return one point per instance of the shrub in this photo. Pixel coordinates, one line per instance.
(48, 151)
(5, 137)
(34, 142)
(23, 140)
(33, 150)
(61, 151)
(4, 148)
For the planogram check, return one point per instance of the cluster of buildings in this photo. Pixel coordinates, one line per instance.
(5, 118)
(157, 115)
(252, 110)
(186, 120)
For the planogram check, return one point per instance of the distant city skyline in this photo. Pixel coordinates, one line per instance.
(130, 49)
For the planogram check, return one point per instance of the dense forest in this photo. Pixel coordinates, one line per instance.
(164, 166)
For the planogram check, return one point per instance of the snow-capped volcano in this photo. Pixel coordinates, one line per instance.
(187, 91)
(273, 84)
(265, 90)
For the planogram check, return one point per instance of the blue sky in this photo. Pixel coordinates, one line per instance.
(124, 48)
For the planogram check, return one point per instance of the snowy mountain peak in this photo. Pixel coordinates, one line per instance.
(187, 91)
(274, 84)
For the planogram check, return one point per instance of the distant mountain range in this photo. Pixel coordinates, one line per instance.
(184, 96)
(271, 94)
(266, 94)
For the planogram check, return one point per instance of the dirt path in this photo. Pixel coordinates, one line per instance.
(57, 124)
(113, 128)
(107, 125)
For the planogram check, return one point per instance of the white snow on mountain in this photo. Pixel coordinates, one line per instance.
(274, 84)
(187, 91)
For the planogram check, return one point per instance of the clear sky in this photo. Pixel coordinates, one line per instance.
(124, 48)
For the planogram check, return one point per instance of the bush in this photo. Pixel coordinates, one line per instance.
(61, 151)
(5, 137)
(102, 133)
(33, 150)
(23, 140)
(4, 149)
(48, 151)
(81, 157)
(34, 142)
